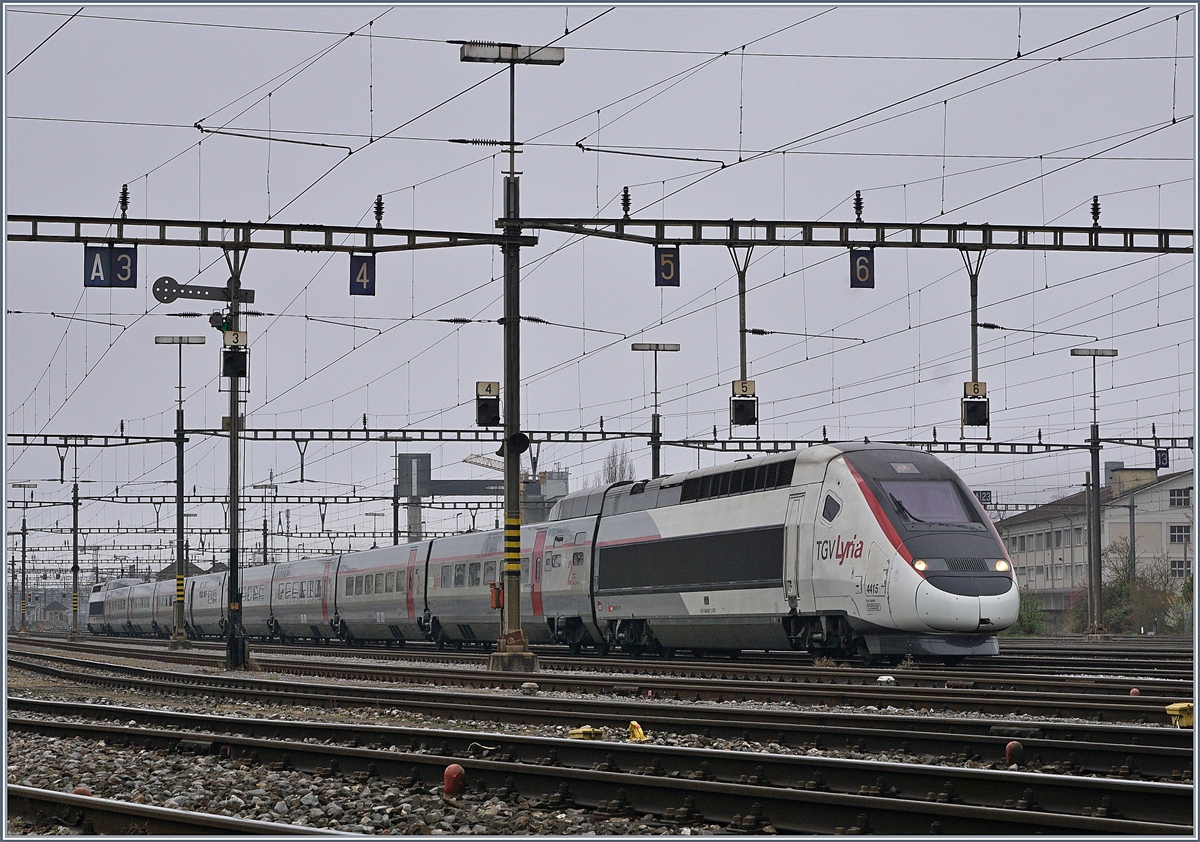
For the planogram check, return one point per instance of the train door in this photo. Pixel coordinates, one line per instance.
(791, 547)
(411, 574)
(539, 545)
(798, 543)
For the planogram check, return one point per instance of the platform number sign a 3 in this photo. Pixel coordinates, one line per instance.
(362, 274)
(110, 266)
(666, 266)
(862, 269)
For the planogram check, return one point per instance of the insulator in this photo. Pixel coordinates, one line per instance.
(124, 199)
(858, 205)
(1095, 211)
(379, 211)
(626, 201)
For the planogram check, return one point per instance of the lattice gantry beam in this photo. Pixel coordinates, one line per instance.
(37, 228)
(752, 232)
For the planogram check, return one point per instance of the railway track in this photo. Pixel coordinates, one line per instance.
(1094, 748)
(119, 818)
(1081, 698)
(1119, 673)
(744, 791)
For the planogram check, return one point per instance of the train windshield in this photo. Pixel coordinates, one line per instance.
(928, 501)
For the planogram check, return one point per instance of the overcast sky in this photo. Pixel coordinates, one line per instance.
(926, 110)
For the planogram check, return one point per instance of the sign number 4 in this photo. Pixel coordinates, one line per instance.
(362, 274)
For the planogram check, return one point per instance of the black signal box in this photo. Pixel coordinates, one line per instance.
(487, 412)
(743, 411)
(233, 362)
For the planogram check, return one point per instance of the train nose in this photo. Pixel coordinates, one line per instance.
(947, 611)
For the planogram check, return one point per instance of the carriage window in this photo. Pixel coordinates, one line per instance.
(473, 574)
(368, 584)
(358, 586)
(349, 586)
(524, 571)
(556, 560)
(389, 582)
(379, 583)
(460, 575)
(580, 538)
(447, 572)
(577, 559)
(832, 507)
(489, 571)
(401, 584)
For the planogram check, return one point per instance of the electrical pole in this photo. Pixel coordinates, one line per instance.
(179, 639)
(75, 553)
(1095, 576)
(512, 653)
(236, 656)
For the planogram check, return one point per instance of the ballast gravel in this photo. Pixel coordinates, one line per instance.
(238, 788)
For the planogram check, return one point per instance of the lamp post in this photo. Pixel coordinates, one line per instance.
(512, 652)
(375, 516)
(1095, 585)
(655, 432)
(23, 485)
(179, 639)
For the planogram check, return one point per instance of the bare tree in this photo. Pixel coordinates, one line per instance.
(618, 466)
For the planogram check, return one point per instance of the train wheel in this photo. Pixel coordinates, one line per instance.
(953, 661)
(668, 653)
(441, 643)
(458, 645)
(698, 653)
(602, 648)
(573, 647)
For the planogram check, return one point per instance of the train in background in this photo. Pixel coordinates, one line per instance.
(861, 550)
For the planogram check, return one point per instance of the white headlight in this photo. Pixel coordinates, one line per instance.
(1002, 566)
(920, 564)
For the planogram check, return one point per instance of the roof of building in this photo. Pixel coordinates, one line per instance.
(1076, 504)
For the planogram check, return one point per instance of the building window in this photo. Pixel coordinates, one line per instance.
(1021, 543)
(1041, 541)
(1181, 498)
(1066, 537)
(1057, 538)
(1040, 570)
(1079, 536)
(1181, 568)
(1181, 534)
(1048, 537)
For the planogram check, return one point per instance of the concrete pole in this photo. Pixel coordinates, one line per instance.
(24, 597)
(1096, 571)
(75, 558)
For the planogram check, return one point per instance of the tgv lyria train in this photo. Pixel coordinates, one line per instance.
(866, 549)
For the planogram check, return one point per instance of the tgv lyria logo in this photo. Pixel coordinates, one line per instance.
(839, 549)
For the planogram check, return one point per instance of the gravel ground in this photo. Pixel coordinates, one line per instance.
(237, 788)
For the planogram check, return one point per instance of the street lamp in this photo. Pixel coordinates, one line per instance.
(179, 639)
(655, 433)
(23, 485)
(512, 651)
(1095, 589)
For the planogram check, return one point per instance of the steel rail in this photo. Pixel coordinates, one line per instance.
(1094, 749)
(1148, 709)
(981, 787)
(120, 818)
(749, 671)
(795, 806)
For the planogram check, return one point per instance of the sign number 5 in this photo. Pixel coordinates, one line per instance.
(666, 266)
